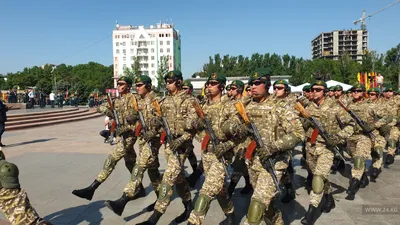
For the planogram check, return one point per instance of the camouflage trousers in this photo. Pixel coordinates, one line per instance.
(360, 149)
(147, 160)
(319, 161)
(122, 150)
(174, 175)
(263, 184)
(393, 136)
(190, 154)
(213, 186)
(14, 203)
(379, 145)
(239, 167)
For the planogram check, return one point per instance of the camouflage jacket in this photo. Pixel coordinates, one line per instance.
(179, 111)
(369, 113)
(328, 114)
(145, 105)
(277, 122)
(123, 107)
(304, 100)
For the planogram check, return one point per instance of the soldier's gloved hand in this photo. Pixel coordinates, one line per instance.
(197, 124)
(149, 135)
(132, 118)
(333, 140)
(234, 129)
(175, 144)
(122, 131)
(155, 123)
(263, 153)
(221, 149)
(369, 127)
(384, 130)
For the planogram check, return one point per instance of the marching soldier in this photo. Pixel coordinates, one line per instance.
(218, 113)
(393, 106)
(331, 92)
(14, 201)
(280, 131)
(126, 139)
(149, 144)
(319, 156)
(178, 110)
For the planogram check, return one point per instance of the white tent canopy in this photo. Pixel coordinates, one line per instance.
(299, 89)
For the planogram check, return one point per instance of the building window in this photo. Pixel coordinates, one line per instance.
(124, 51)
(152, 65)
(124, 58)
(135, 43)
(132, 57)
(132, 50)
(161, 42)
(152, 42)
(161, 50)
(168, 50)
(115, 36)
(170, 57)
(152, 58)
(153, 72)
(168, 42)
(117, 51)
(124, 66)
(132, 43)
(170, 65)
(117, 44)
(123, 43)
(152, 50)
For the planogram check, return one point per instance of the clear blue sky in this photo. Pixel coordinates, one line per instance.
(44, 31)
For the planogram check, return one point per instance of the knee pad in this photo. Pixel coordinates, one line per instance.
(392, 143)
(256, 211)
(318, 183)
(9, 175)
(154, 174)
(164, 192)
(110, 162)
(137, 173)
(359, 162)
(202, 204)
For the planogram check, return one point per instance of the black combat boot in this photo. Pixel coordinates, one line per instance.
(309, 179)
(375, 173)
(290, 193)
(185, 215)
(353, 187)
(231, 188)
(230, 219)
(310, 215)
(194, 166)
(389, 159)
(364, 180)
(329, 203)
(154, 218)
(87, 193)
(192, 179)
(150, 207)
(247, 188)
(118, 205)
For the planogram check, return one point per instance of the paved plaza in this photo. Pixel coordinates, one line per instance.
(54, 160)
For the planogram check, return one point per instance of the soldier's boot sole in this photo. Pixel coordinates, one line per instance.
(118, 205)
(154, 218)
(375, 173)
(364, 180)
(88, 192)
(290, 194)
(309, 217)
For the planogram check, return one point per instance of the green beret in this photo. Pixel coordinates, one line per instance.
(175, 74)
(306, 87)
(281, 82)
(338, 88)
(126, 79)
(390, 88)
(263, 72)
(143, 78)
(228, 87)
(238, 84)
(217, 77)
(319, 83)
(377, 90)
(362, 86)
(331, 88)
(255, 76)
(187, 83)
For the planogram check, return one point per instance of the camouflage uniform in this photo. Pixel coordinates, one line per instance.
(278, 126)
(214, 185)
(393, 137)
(319, 157)
(125, 149)
(14, 201)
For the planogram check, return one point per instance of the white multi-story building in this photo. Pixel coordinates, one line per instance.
(147, 45)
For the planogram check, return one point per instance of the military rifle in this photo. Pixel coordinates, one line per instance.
(141, 127)
(358, 120)
(166, 132)
(210, 134)
(257, 143)
(116, 119)
(321, 131)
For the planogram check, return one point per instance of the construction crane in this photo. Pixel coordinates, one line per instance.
(363, 17)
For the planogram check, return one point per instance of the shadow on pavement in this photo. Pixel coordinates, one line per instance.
(89, 213)
(30, 142)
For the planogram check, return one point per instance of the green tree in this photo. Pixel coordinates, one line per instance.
(161, 71)
(134, 71)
